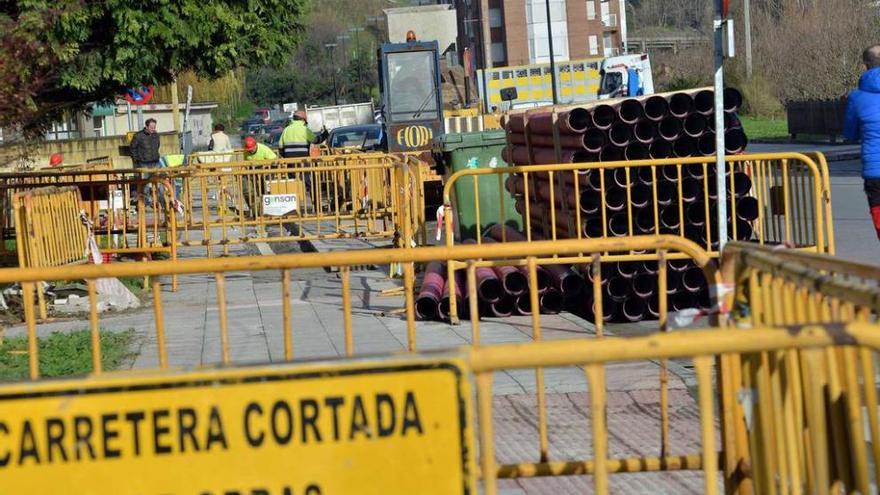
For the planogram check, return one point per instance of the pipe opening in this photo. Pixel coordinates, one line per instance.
(551, 302)
(704, 102)
(733, 99)
(603, 116)
(594, 140)
(503, 307)
(426, 308)
(579, 119)
(630, 111)
(681, 104)
(656, 108)
(670, 128)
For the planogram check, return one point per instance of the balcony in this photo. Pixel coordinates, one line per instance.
(609, 21)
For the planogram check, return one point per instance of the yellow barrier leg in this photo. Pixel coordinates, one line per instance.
(27, 292)
(93, 325)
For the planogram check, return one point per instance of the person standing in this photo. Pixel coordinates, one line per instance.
(220, 144)
(297, 137)
(145, 146)
(862, 122)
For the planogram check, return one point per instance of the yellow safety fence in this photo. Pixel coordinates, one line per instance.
(805, 412)
(349, 196)
(128, 210)
(788, 196)
(55, 232)
(803, 418)
(355, 196)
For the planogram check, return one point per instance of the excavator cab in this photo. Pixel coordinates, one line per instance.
(411, 96)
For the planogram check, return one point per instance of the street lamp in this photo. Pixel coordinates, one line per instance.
(331, 47)
(376, 20)
(341, 39)
(357, 53)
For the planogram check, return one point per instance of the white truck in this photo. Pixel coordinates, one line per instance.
(626, 75)
(339, 115)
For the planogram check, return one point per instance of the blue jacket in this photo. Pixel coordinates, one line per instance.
(863, 121)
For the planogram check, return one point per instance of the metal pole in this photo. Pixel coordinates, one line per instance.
(331, 48)
(357, 47)
(175, 106)
(140, 117)
(552, 58)
(747, 20)
(719, 126)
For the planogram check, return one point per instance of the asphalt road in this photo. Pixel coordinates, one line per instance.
(855, 235)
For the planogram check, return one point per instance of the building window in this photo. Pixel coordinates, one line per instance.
(608, 45)
(496, 19)
(594, 44)
(591, 10)
(66, 129)
(499, 54)
(98, 126)
(536, 21)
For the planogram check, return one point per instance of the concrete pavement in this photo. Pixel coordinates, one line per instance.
(854, 232)
(254, 307)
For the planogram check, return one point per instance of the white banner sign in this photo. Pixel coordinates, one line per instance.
(279, 204)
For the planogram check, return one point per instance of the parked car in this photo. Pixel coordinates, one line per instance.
(273, 138)
(361, 137)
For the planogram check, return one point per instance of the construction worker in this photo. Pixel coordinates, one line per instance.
(56, 160)
(254, 151)
(297, 137)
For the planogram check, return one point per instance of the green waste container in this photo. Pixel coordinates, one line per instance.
(477, 150)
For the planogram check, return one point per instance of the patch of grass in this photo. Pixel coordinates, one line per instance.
(64, 354)
(134, 284)
(760, 128)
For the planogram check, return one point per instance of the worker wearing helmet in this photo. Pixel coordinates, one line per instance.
(297, 137)
(56, 160)
(255, 151)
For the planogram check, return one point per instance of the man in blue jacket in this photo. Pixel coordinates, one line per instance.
(863, 122)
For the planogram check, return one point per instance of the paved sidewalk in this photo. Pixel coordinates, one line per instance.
(254, 306)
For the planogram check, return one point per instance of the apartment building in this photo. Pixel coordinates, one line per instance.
(515, 32)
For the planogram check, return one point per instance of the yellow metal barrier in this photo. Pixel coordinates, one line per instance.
(592, 252)
(346, 196)
(536, 253)
(804, 385)
(788, 198)
(792, 395)
(106, 198)
(54, 231)
(353, 196)
(209, 157)
(818, 452)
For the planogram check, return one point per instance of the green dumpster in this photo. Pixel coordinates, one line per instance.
(477, 150)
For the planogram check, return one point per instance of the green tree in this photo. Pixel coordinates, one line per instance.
(58, 56)
(307, 76)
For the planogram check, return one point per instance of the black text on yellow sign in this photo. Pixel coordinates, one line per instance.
(385, 429)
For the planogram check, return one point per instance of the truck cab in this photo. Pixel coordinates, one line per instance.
(626, 75)
(409, 80)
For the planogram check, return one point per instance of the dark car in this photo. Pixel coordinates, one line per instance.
(362, 137)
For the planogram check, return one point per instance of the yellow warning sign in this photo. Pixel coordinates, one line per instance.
(372, 427)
